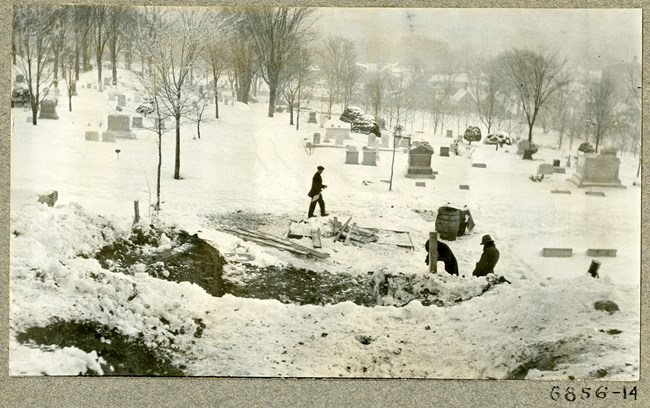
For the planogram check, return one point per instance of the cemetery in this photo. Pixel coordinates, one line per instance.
(202, 247)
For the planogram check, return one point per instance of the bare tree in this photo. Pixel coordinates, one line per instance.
(375, 90)
(275, 32)
(338, 65)
(33, 36)
(243, 66)
(599, 107)
(297, 81)
(100, 20)
(488, 88)
(533, 76)
(633, 100)
(177, 44)
(217, 58)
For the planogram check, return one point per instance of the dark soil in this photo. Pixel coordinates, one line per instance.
(126, 355)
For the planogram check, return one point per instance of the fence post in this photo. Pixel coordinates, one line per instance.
(136, 210)
(433, 252)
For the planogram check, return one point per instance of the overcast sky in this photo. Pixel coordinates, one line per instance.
(593, 37)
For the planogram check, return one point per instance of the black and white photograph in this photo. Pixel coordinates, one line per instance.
(325, 192)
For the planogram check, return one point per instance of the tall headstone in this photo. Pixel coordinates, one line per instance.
(599, 170)
(48, 109)
(372, 140)
(120, 126)
(450, 133)
(121, 100)
(312, 117)
(419, 162)
(385, 139)
(316, 139)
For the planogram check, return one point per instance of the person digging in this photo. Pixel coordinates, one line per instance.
(445, 255)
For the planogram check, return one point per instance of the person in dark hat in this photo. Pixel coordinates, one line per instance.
(445, 255)
(316, 193)
(489, 257)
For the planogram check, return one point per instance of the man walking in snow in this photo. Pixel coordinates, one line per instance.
(445, 255)
(489, 257)
(316, 193)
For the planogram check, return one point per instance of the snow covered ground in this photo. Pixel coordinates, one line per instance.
(248, 163)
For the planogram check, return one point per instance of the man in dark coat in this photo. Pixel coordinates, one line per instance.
(489, 257)
(445, 255)
(316, 193)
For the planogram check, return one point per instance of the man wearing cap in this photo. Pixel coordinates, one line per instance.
(489, 257)
(316, 194)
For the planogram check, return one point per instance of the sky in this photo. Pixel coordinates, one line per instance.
(589, 37)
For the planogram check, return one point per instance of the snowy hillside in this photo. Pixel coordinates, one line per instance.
(379, 313)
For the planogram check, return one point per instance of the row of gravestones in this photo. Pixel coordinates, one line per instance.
(370, 156)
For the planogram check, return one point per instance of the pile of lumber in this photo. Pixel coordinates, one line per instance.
(351, 232)
(263, 238)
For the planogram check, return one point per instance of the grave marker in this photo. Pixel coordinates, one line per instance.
(351, 155)
(420, 183)
(595, 193)
(464, 187)
(48, 109)
(369, 157)
(419, 162)
(560, 192)
(444, 151)
(312, 117)
(601, 252)
(545, 168)
(92, 136)
(137, 122)
(121, 100)
(560, 170)
(557, 252)
(597, 170)
(108, 81)
(108, 137)
(120, 126)
(479, 165)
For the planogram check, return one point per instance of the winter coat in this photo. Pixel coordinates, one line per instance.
(445, 255)
(316, 185)
(489, 259)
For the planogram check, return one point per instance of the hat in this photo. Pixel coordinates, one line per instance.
(486, 239)
(320, 168)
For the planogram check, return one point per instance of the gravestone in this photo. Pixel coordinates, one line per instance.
(137, 122)
(120, 126)
(89, 85)
(20, 78)
(560, 170)
(444, 151)
(48, 109)
(545, 168)
(339, 134)
(312, 117)
(479, 165)
(450, 133)
(601, 252)
(108, 137)
(557, 252)
(372, 140)
(419, 162)
(108, 81)
(121, 100)
(316, 138)
(92, 136)
(597, 170)
(369, 157)
(351, 155)
(385, 139)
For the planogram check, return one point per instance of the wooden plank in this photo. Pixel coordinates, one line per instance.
(266, 242)
(338, 232)
(285, 242)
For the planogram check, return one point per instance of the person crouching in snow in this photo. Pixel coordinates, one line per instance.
(489, 257)
(316, 193)
(445, 255)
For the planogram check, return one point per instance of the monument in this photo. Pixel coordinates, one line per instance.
(339, 134)
(419, 161)
(108, 137)
(351, 155)
(369, 156)
(312, 117)
(137, 122)
(48, 109)
(597, 170)
(119, 125)
(92, 136)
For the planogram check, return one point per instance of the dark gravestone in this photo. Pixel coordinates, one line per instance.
(450, 133)
(312, 117)
(419, 162)
(444, 151)
(20, 78)
(137, 122)
(120, 126)
(316, 139)
(48, 109)
(479, 165)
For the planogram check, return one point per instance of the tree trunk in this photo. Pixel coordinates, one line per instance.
(159, 165)
(272, 89)
(198, 128)
(291, 114)
(530, 134)
(99, 71)
(76, 62)
(34, 111)
(177, 160)
(114, 62)
(70, 100)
